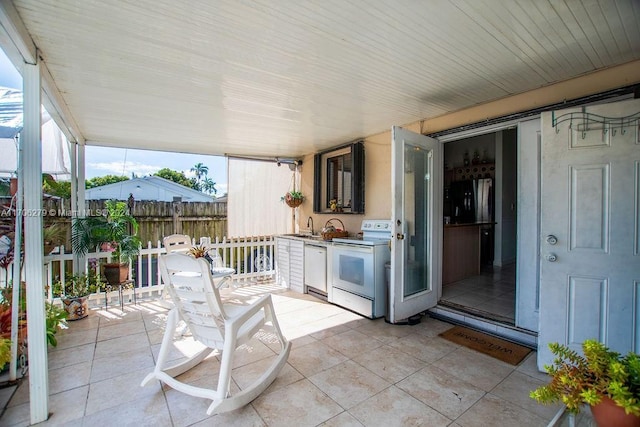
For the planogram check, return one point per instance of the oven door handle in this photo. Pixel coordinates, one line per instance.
(353, 248)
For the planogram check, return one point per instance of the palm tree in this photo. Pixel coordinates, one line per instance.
(200, 170)
(208, 186)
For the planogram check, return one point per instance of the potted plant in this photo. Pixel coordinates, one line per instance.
(198, 251)
(293, 198)
(601, 378)
(74, 294)
(115, 232)
(335, 206)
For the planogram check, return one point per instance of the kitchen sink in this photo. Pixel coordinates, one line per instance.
(303, 236)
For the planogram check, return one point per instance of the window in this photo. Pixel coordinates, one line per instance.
(339, 177)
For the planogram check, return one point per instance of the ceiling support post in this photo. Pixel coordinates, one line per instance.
(34, 253)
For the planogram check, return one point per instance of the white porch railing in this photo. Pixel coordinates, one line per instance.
(252, 258)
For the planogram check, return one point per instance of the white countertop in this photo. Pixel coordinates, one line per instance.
(307, 239)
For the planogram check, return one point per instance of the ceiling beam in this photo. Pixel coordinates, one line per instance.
(18, 35)
(19, 47)
(589, 84)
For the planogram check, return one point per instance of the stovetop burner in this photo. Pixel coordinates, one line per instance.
(374, 232)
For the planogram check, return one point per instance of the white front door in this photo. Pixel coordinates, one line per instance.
(590, 228)
(417, 215)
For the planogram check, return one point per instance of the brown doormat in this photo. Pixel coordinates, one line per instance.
(487, 344)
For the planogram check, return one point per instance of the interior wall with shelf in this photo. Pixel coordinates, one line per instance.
(498, 150)
(454, 151)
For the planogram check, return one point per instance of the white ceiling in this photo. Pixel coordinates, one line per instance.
(286, 78)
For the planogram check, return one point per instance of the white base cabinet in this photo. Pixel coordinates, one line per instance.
(290, 263)
(315, 266)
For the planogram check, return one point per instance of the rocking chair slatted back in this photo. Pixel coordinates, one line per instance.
(177, 243)
(188, 281)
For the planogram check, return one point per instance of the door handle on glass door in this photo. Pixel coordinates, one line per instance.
(400, 236)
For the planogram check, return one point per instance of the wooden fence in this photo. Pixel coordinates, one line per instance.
(155, 219)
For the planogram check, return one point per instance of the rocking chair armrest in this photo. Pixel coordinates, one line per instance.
(237, 321)
(223, 282)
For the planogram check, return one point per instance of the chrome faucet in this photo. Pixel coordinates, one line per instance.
(310, 220)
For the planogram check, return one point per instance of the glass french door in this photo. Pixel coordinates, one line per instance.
(417, 216)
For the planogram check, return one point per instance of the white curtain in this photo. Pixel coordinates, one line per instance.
(55, 153)
(253, 205)
(55, 148)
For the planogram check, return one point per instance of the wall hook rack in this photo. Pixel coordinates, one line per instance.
(585, 122)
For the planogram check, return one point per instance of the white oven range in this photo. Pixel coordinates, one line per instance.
(357, 272)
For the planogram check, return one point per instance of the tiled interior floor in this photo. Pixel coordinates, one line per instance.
(492, 294)
(343, 370)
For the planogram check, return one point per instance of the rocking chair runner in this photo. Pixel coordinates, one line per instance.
(216, 325)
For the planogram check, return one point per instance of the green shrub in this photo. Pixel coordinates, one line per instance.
(55, 319)
(5, 352)
(578, 380)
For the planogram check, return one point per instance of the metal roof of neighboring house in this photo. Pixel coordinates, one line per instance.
(147, 188)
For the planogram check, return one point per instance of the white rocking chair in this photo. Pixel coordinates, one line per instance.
(216, 325)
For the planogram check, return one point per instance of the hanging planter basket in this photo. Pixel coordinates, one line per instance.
(291, 202)
(293, 198)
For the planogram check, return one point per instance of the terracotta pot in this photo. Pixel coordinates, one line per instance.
(77, 308)
(116, 273)
(13, 186)
(608, 414)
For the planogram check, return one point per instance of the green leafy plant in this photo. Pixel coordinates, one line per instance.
(578, 380)
(294, 195)
(5, 352)
(55, 319)
(56, 188)
(75, 286)
(114, 232)
(6, 296)
(53, 235)
(293, 198)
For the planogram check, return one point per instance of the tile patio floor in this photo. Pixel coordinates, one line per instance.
(343, 370)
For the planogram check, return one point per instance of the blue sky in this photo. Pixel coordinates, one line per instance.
(102, 161)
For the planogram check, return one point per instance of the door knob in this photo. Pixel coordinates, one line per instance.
(551, 257)
(551, 239)
(400, 236)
